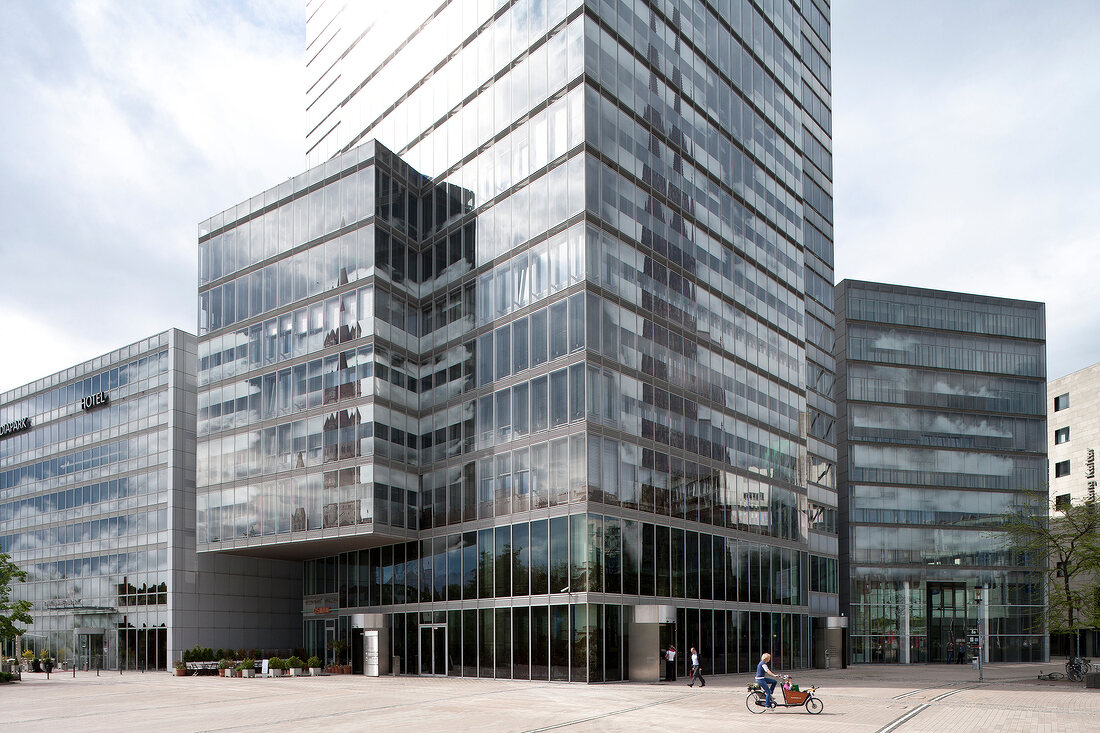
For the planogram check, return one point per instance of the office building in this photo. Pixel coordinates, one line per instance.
(97, 492)
(942, 431)
(532, 368)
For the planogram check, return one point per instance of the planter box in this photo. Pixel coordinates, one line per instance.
(248, 673)
(296, 672)
(315, 671)
(275, 672)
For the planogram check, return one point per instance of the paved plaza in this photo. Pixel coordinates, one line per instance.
(863, 698)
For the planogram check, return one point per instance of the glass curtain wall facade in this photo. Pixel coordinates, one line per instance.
(943, 430)
(86, 488)
(546, 362)
(97, 504)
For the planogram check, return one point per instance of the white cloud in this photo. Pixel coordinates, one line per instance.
(124, 126)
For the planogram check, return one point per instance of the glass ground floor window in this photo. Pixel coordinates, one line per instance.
(938, 620)
(89, 647)
(578, 642)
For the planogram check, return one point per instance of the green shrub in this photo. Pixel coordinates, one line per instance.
(225, 664)
(295, 662)
(313, 662)
(276, 663)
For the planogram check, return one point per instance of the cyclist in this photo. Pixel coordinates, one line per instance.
(763, 672)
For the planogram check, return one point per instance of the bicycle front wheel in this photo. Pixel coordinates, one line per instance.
(1074, 673)
(755, 702)
(814, 706)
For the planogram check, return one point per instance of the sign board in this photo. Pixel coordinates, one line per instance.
(15, 426)
(94, 400)
(320, 603)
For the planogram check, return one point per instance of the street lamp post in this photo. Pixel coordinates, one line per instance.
(978, 597)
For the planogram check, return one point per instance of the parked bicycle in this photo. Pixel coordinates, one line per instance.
(792, 697)
(1077, 668)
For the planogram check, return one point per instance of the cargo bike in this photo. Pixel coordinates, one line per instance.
(791, 697)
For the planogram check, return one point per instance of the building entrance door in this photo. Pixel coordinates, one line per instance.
(433, 650)
(89, 651)
(330, 637)
(947, 622)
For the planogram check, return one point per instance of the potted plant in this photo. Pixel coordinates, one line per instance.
(28, 660)
(247, 668)
(181, 668)
(338, 647)
(275, 667)
(225, 667)
(295, 664)
(314, 664)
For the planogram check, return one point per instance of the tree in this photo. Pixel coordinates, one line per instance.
(11, 612)
(1066, 543)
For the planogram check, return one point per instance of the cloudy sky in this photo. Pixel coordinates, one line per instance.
(967, 154)
(965, 157)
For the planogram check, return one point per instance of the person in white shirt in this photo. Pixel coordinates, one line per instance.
(696, 670)
(670, 664)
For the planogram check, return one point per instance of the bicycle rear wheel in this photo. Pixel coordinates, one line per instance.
(814, 706)
(1074, 672)
(755, 703)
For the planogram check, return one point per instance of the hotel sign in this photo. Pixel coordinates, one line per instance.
(15, 426)
(1090, 473)
(94, 400)
(320, 604)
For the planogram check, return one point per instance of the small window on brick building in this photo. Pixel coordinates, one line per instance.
(1061, 503)
(1061, 402)
(1061, 468)
(1061, 435)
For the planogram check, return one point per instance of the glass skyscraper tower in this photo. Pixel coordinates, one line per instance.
(533, 369)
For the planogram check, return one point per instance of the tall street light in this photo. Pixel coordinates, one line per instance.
(978, 589)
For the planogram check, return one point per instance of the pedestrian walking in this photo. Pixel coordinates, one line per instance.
(670, 664)
(696, 670)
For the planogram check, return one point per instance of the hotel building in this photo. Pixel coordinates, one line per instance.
(97, 505)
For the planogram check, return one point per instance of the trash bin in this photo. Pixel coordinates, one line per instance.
(395, 665)
(974, 663)
(1092, 679)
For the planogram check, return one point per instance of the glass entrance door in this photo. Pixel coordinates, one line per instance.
(947, 622)
(89, 651)
(433, 650)
(330, 637)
